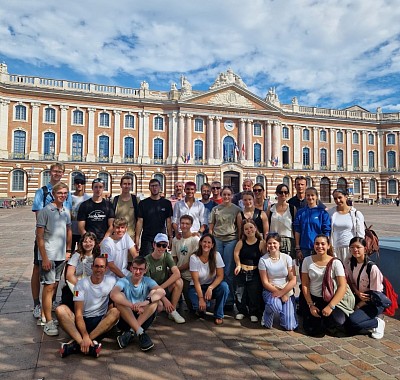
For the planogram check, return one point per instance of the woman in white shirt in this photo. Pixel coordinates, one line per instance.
(347, 223)
(207, 271)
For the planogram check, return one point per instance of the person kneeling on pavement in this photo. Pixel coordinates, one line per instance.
(91, 319)
(136, 297)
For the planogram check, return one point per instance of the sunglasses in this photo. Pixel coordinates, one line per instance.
(161, 245)
(215, 188)
(283, 192)
(258, 190)
(98, 180)
(79, 183)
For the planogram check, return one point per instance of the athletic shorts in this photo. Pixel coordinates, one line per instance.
(92, 322)
(54, 274)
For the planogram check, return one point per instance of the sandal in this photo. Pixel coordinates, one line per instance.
(218, 321)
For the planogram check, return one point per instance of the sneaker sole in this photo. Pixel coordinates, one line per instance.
(147, 348)
(119, 343)
(51, 333)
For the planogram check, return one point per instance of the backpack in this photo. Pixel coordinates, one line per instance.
(45, 193)
(372, 241)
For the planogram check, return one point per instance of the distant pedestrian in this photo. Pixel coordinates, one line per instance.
(397, 202)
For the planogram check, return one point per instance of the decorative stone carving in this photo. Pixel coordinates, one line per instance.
(272, 97)
(228, 78)
(230, 98)
(186, 87)
(144, 85)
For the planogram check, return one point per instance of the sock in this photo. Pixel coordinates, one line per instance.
(36, 302)
(139, 331)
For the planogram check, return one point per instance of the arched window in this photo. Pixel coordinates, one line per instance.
(285, 133)
(309, 182)
(50, 115)
(357, 186)
(49, 145)
(371, 161)
(306, 157)
(77, 117)
(372, 186)
(322, 136)
(339, 159)
(77, 147)
(19, 144)
(129, 121)
(161, 179)
(104, 149)
(323, 158)
(45, 177)
(356, 160)
(198, 125)
(158, 149)
(257, 153)
(285, 156)
(200, 179)
(391, 157)
(104, 119)
(105, 177)
(355, 138)
(129, 149)
(198, 150)
(339, 136)
(392, 187)
(158, 123)
(260, 179)
(17, 180)
(342, 183)
(371, 139)
(306, 135)
(229, 149)
(287, 181)
(391, 139)
(257, 129)
(20, 112)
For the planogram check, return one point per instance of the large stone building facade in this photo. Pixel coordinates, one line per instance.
(226, 133)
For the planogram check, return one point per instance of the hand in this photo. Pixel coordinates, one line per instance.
(169, 308)
(178, 235)
(299, 256)
(67, 255)
(277, 293)
(237, 270)
(326, 311)
(315, 311)
(284, 298)
(202, 304)
(46, 264)
(364, 297)
(208, 294)
(85, 344)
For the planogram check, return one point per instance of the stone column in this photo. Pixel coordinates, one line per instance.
(364, 151)
(241, 139)
(267, 143)
(181, 135)
(188, 137)
(248, 144)
(172, 139)
(217, 140)
(297, 162)
(63, 154)
(381, 153)
(210, 139)
(4, 106)
(316, 163)
(34, 153)
(349, 163)
(146, 138)
(117, 137)
(91, 156)
(332, 149)
(276, 142)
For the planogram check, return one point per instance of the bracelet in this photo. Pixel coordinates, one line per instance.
(69, 250)
(210, 287)
(148, 299)
(332, 307)
(298, 249)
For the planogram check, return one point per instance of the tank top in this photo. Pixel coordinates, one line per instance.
(250, 254)
(257, 220)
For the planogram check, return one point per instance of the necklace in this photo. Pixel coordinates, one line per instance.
(275, 258)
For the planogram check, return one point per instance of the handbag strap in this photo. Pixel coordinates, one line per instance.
(359, 275)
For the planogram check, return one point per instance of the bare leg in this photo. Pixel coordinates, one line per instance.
(35, 282)
(66, 319)
(129, 318)
(47, 297)
(106, 323)
(176, 292)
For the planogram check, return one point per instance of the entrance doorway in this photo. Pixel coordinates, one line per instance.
(232, 178)
(325, 190)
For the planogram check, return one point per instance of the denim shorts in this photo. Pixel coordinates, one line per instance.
(53, 275)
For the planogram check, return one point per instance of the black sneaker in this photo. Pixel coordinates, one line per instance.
(69, 348)
(125, 338)
(95, 349)
(145, 343)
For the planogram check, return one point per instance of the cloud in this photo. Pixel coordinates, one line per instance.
(328, 53)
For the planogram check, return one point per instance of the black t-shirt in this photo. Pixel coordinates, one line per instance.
(296, 202)
(154, 214)
(96, 216)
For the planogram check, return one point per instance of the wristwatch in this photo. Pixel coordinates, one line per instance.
(332, 307)
(148, 299)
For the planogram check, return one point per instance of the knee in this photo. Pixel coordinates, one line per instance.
(178, 284)
(224, 287)
(114, 314)
(63, 311)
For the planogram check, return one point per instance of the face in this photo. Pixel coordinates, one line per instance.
(272, 245)
(226, 196)
(339, 198)
(178, 188)
(300, 185)
(99, 267)
(207, 244)
(190, 191)
(138, 271)
(98, 189)
(248, 201)
(56, 174)
(154, 188)
(247, 185)
(283, 193)
(61, 195)
(88, 244)
(249, 229)
(185, 225)
(311, 198)
(258, 191)
(160, 247)
(119, 231)
(215, 189)
(205, 193)
(357, 250)
(126, 186)
(321, 245)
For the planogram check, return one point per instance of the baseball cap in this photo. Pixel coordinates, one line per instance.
(161, 237)
(80, 178)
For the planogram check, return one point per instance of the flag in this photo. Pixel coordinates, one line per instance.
(276, 161)
(243, 150)
(236, 148)
(76, 293)
(188, 157)
(183, 156)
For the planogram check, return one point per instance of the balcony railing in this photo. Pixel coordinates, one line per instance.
(370, 169)
(76, 158)
(130, 160)
(103, 159)
(18, 156)
(391, 169)
(48, 157)
(287, 166)
(340, 168)
(308, 167)
(324, 167)
(158, 161)
(200, 162)
(357, 169)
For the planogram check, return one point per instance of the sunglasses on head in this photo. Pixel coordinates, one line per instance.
(258, 190)
(162, 245)
(283, 192)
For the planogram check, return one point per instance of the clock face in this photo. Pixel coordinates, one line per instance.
(229, 125)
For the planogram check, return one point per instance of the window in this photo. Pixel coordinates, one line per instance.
(104, 119)
(357, 186)
(45, 177)
(104, 152)
(371, 139)
(158, 123)
(391, 157)
(306, 135)
(129, 122)
(306, 156)
(18, 182)
(372, 186)
(158, 149)
(257, 129)
(356, 160)
(391, 139)
(50, 115)
(322, 136)
(286, 181)
(260, 179)
(285, 156)
(323, 158)
(77, 147)
(355, 138)
(104, 177)
(371, 161)
(198, 125)
(129, 149)
(392, 187)
(198, 150)
(200, 179)
(161, 179)
(20, 112)
(77, 117)
(49, 145)
(19, 144)
(339, 137)
(257, 153)
(339, 159)
(229, 149)
(285, 133)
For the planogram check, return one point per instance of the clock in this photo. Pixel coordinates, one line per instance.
(229, 125)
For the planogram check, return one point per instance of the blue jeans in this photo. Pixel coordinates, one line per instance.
(226, 248)
(220, 294)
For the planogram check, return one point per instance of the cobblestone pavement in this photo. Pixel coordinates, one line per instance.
(195, 350)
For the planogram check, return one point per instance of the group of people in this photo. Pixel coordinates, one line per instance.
(132, 260)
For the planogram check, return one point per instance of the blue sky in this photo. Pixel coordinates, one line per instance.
(329, 53)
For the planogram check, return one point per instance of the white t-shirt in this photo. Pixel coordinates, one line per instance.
(316, 274)
(80, 266)
(277, 270)
(196, 265)
(76, 201)
(95, 297)
(182, 249)
(117, 251)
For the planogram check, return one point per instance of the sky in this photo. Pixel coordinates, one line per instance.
(328, 53)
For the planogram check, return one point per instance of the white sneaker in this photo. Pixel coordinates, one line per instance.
(175, 316)
(262, 320)
(42, 321)
(377, 332)
(50, 328)
(253, 319)
(239, 316)
(37, 311)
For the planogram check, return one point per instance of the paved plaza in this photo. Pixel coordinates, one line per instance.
(195, 350)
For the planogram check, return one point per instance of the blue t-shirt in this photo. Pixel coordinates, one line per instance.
(137, 293)
(38, 199)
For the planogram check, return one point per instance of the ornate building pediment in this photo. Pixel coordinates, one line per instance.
(230, 98)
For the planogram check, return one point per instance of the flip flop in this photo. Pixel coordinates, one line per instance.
(218, 321)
